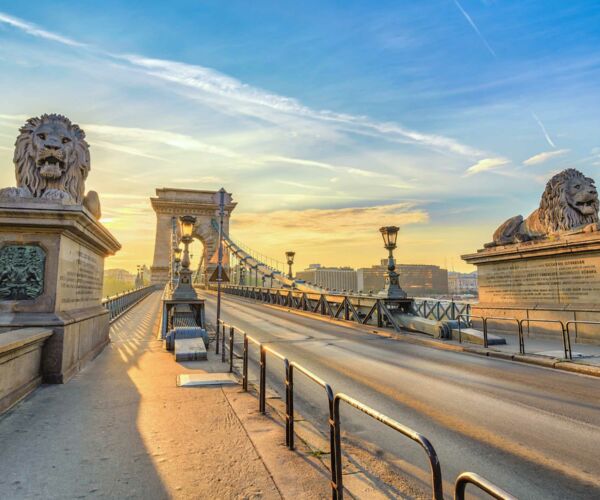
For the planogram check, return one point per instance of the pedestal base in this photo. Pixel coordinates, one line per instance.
(51, 276)
(553, 279)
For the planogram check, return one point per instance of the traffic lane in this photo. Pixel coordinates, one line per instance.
(571, 395)
(503, 429)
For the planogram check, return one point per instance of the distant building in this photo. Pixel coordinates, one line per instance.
(334, 278)
(415, 279)
(462, 283)
(119, 275)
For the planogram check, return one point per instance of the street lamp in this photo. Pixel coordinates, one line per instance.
(392, 288)
(184, 289)
(138, 277)
(290, 260)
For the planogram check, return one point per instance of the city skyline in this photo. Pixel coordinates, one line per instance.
(445, 118)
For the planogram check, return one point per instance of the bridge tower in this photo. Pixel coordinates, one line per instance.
(204, 205)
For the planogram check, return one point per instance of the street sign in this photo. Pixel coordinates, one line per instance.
(215, 276)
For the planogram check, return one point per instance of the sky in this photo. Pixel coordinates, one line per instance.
(325, 119)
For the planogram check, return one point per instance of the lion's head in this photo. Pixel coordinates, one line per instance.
(51, 153)
(570, 200)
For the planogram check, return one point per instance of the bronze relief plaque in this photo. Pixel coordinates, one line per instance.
(21, 272)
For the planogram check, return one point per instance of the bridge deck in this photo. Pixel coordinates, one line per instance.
(121, 429)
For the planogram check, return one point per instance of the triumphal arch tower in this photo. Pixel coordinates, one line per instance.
(171, 203)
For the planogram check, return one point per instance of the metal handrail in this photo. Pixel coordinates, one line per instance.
(577, 322)
(123, 301)
(566, 343)
(503, 318)
(334, 417)
(483, 484)
(434, 462)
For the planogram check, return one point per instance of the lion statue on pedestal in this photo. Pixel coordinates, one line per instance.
(569, 204)
(52, 161)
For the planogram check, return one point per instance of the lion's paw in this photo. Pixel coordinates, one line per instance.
(15, 192)
(592, 228)
(57, 194)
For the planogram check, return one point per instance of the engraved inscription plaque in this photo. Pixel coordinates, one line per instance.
(560, 280)
(21, 272)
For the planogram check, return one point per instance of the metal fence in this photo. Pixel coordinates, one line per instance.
(118, 304)
(564, 327)
(362, 309)
(441, 309)
(334, 420)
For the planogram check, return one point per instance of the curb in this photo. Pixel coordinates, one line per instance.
(415, 338)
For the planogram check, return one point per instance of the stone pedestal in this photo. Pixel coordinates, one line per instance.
(51, 275)
(556, 279)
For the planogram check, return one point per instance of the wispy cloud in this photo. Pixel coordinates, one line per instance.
(485, 165)
(125, 149)
(303, 185)
(545, 132)
(159, 137)
(337, 223)
(544, 157)
(214, 83)
(33, 30)
(475, 28)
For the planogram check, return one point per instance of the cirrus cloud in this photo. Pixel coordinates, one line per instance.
(545, 156)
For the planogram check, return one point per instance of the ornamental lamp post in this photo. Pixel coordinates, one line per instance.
(138, 277)
(175, 266)
(289, 255)
(392, 288)
(184, 289)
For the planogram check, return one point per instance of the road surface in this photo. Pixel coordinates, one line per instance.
(533, 431)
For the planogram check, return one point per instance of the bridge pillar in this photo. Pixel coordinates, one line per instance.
(204, 205)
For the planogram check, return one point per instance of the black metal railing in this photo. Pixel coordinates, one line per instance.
(440, 309)
(480, 482)
(334, 420)
(362, 309)
(564, 329)
(122, 302)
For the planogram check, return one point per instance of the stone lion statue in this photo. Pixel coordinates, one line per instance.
(569, 204)
(52, 161)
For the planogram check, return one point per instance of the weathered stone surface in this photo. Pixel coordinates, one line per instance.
(20, 363)
(75, 245)
(569, 203)
(190, 349)
(52, 161)
(554, 279)
(169, 203)
(563, 271)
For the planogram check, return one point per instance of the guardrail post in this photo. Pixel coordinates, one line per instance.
(231, 333)
(263, 376)
(569, 341)
(338, 486)
(485, 333)
(245, 365)
(218, 336)
(337, 489)
(223, 344)
(521, 339)
(289, 404)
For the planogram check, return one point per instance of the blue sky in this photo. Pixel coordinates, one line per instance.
(325, 119)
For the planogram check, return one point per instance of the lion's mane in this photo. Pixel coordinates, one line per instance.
(78, 164)
(555, 212)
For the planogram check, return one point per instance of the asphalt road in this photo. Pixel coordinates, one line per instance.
(533, 431)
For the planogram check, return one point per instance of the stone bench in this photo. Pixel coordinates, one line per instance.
(20, 363)
(185, 332)
(190, 349)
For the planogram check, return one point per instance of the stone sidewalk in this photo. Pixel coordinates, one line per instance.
(122, 429)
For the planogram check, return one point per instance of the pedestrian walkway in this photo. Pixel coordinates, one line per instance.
(122, 429)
